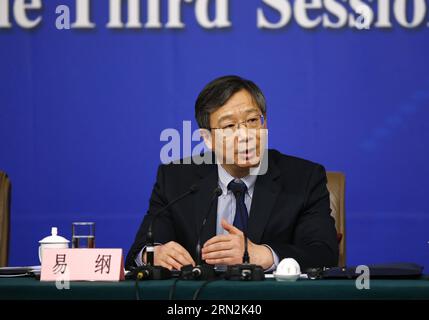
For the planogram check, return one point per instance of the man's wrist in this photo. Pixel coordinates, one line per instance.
(262, 256)
(269, 259)
(144, 256)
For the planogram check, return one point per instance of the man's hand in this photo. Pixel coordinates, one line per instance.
(171, 256)
(228, 249)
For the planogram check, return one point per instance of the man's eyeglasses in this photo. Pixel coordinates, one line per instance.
(253, 122)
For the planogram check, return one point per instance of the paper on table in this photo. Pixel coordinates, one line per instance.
(271, 276)
(7, 272)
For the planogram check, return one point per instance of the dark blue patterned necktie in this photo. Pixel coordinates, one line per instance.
(241, 216)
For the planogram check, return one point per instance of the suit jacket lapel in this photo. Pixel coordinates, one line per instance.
(264, 196)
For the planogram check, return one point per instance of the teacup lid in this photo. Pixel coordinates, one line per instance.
(54, 237)
(288, 266)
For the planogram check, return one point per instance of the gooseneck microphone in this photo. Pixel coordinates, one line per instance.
(201, 271)
(150, 244)
(149, 270)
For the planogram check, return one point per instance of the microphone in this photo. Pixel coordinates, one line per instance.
(150, 271)
(245, 271)
(201, 271)
(150, 245)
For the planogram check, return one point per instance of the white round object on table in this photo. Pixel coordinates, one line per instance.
(287, 270)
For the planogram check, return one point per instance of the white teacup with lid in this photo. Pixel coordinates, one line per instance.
(54, 241)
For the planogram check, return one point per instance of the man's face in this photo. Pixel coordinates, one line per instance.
(240, 131)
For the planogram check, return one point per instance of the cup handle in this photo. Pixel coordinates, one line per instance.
(40, 254)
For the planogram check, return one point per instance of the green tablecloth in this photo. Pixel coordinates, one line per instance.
(30, 288)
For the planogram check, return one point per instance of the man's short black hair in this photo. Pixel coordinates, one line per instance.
(219, 91)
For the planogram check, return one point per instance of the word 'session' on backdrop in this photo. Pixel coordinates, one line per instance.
(216, 14)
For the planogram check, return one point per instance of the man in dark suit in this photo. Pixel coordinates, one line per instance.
(281, 201)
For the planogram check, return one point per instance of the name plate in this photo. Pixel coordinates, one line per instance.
(82, 265)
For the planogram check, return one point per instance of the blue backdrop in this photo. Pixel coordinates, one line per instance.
(81, 112)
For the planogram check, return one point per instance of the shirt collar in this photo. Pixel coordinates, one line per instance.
(225, 178)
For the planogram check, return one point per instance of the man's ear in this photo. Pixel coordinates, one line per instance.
(206, 134)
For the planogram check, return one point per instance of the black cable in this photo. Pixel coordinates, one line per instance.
(172, 289)
(198, 291)
(139, 275)
(137, 289)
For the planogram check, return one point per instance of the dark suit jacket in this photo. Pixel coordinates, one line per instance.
(290, 210)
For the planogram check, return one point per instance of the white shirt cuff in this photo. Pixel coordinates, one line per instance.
(139, 259)
(275, 259)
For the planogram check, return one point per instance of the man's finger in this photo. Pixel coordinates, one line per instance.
(181, 258)
(230, 228)
(218, 255)
(226, 261)
(171, 261)
(218, 246)
(174, 246)
(219, 238)
(188, 259)
(165, 265)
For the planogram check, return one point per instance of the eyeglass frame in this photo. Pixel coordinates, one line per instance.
(261, 118)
